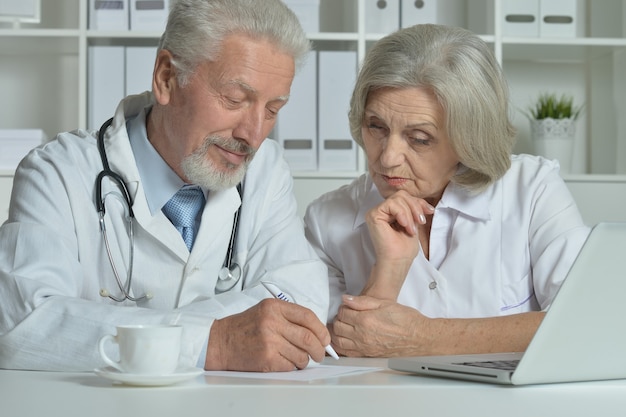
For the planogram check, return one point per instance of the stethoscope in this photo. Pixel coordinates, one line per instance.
(229, 274)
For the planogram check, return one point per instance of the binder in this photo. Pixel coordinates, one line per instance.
(307, 12)
(149, 15)
(16, 143)
(382, 16)
(23, 11)
(336, 77)
(443, 12)
(105, 83)
(139, 67)
(296, 127)
(561, 18)
(520, 18)
(108, 14)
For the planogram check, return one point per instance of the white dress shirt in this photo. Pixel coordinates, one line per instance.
(505, 250)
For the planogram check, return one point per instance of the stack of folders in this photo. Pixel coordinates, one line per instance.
(113, 72)
(543, 18)
(313, 127)
(385, 16)
(122, 15)
(16, 143)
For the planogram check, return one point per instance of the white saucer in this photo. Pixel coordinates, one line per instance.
(179, 375)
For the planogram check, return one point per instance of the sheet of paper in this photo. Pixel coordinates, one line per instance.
(310, 373)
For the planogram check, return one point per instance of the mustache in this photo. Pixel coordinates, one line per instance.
(230, 144)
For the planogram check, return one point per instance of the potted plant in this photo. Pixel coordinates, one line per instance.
(553, 127)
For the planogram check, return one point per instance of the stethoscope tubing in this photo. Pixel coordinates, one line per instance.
(229, 274)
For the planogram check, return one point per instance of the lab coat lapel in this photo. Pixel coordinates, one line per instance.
(122, 161)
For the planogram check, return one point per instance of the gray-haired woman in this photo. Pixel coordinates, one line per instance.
(449, 243)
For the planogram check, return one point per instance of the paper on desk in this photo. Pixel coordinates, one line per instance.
(310, 373)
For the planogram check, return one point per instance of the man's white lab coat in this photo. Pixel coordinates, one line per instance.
(53, 262)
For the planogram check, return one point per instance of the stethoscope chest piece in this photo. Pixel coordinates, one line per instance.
(227, 278)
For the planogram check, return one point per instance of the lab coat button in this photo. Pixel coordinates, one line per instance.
(432, 285)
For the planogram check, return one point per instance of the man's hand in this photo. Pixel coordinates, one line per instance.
(273, 335)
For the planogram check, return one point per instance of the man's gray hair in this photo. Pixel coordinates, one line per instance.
(196, 29)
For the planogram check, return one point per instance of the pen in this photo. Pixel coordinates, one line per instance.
(277, 293)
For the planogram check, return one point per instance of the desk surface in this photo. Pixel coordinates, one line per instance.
(383, 393)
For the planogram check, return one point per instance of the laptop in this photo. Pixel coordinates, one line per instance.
(581, 338)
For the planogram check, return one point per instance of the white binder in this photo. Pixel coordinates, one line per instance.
(105, 83)
(307, 12)
(149, 15)
(520, 18)
(561, 18)
(139, 67)
(16, 143)
(382, 16)
(108, 14)
(27, 11)
(337, 74)
(443, 12)
(296, 127)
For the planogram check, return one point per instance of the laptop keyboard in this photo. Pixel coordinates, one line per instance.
(508, 365)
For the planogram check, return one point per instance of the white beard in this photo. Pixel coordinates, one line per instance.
(202, 171)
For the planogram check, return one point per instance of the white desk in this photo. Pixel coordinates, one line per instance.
(382, 394)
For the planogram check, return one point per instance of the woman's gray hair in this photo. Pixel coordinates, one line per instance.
(462, 72)
(196, 29)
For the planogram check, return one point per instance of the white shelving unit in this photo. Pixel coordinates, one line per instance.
(43, 77)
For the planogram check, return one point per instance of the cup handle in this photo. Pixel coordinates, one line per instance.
(104, 356)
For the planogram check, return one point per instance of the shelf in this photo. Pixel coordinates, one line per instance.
(43, 74)
(326, 175)
(596, 178)
(49, 60)
(129, 34)
(39, 33)
(333, 36)
(586, 178)
(32, 48)
(565, 41)
(559, 50)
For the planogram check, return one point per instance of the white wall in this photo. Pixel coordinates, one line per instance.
(600, 200)
(6, 181)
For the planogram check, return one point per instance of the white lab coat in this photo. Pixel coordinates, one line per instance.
(53, 261)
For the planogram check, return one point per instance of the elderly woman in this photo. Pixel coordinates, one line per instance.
(449, 243)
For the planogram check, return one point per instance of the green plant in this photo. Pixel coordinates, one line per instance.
(548, 105)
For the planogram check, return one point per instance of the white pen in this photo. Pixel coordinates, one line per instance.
(277, 293)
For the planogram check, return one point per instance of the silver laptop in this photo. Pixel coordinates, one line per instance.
(581, 338)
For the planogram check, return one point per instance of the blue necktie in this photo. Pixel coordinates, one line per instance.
(182, 210)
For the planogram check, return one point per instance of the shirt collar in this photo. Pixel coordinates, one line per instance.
(470, 204)
(160, 182)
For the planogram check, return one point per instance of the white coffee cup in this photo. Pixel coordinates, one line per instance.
(144, 349)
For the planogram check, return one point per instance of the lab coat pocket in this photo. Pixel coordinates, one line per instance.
(518, 296)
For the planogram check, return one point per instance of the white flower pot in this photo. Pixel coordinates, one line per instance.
(554, 139)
